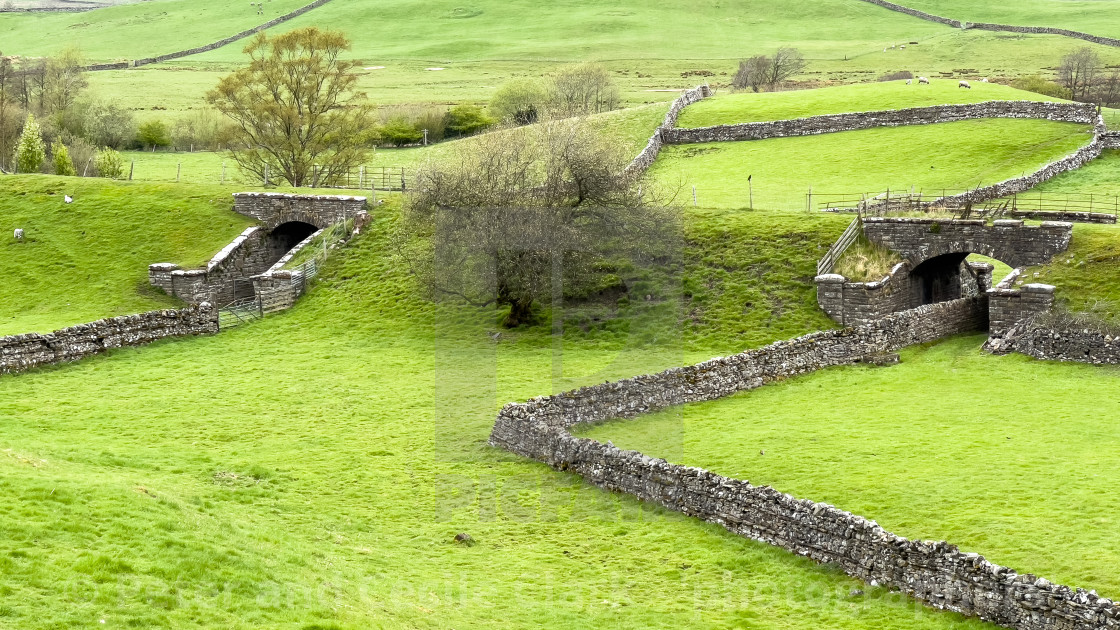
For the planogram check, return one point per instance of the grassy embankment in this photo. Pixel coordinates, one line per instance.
(929, 158)
(1086, 276)
(89, 259)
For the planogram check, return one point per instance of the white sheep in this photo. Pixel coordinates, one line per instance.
(68, 199)
(964, 84)
(923, 81)
(984, 80)
(909, 81)
(19, 234)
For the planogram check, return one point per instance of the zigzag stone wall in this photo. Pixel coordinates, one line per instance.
(646, 158)
(833, 123)
(19, 353)
(986, 26)
(937, 573)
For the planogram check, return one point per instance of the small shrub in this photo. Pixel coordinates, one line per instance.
(30, 152)
(1037, 84)
(897, 76)
(154, 134)
(62, 163)
(519, 102)
(399, 131)
(466, 119)
(110, 164)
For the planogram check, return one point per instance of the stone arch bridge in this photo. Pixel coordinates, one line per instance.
(934, 267)
(285, 221)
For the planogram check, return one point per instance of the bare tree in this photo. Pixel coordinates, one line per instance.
(514, 213)
(762, 71)
(752, 73)
(1107, 91)
(1078, 72)
(583, 89)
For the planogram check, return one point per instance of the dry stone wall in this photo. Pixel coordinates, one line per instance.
(937, 573)
(986, 26)
(1081, 345)
(649, 154)
(211, 46)
(833, 123)
(19, 353)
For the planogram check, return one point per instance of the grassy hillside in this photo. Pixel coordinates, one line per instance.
(320, 484)
(1086, 276)
(1089, 16)
(950, 156)
(134, 31)
(998, 478)
(89, 259)
(482, 45)
(737, 107)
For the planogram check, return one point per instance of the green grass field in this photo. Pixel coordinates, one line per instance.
(320, 481)
(739, 107)
(89, 259)
(929, 158)
(310, 471)
(1026, 478)
(1088, 16)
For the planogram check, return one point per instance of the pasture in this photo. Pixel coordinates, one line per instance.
(1021, 473)
(311, 470)
(925, 158)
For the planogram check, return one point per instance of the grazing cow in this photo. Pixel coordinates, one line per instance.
(923, 81)
(19, 234)
(964, 84)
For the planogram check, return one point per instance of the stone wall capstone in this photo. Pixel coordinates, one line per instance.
(937, 573)
(19, 353)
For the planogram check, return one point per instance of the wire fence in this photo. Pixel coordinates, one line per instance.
(1087, 207)
(203, 168)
